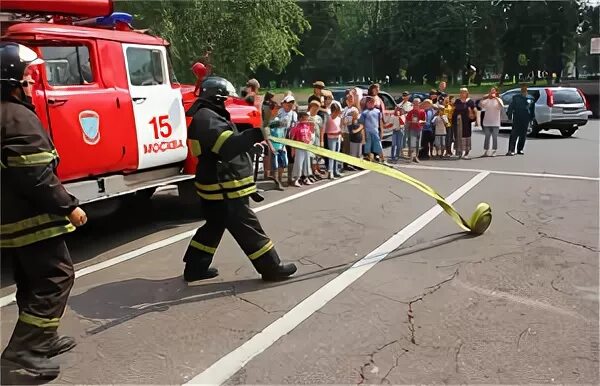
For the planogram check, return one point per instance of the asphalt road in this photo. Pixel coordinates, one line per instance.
(389, 290)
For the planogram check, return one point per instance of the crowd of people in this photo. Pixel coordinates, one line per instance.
(440, 126)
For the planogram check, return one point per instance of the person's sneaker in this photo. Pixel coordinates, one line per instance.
(191, 275)
(283, 271)
(338, 175)
(521, 152)
(416, 160)
(493, 153)
(308, 181)
(485, 153)
(279, 186)
(510, 154)
(297, 184)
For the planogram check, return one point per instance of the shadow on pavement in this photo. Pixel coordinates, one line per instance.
(129, 223)
(554, 134)
(135, 219)
(122, 301)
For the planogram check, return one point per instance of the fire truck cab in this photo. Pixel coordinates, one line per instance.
(108, 97)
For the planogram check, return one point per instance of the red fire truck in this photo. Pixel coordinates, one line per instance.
(108, 97)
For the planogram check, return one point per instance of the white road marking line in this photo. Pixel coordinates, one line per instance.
(220, 371)
(8, 299)
(509, 173)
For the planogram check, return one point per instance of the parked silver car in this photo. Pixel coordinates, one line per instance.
(561, 108)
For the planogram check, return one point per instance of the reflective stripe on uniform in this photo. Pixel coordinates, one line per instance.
(31, 222)
(194, 146)
(202, 247)
(266, 248)
(211, 196)
(30, 238)
(37, 321)
(221, 140)
(226, 185)
(2, 165)
(242, 193)
(36, 159)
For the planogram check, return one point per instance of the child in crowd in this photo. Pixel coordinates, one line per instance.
(302, 132)
(398, 121)
(288, 116)
(351, 115)
(440, 122)
(334, 135)
(317, 123)
(370, 120)
(279, 158)
(350, 121)
(415, 120)
(428, 134)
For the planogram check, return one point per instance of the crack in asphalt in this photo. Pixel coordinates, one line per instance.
(456, 356)
(257, 305)
(352, 221)
(559, 277)
(307, 261)
(397, 358)
(371, 362)
(547, 236)
(430, 290)
(486, 259)
(525, 332)
(508, 213)
(396, 194)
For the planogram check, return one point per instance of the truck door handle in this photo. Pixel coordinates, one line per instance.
(139, 100)
(56, 101)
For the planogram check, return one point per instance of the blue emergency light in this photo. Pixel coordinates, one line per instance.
(114, 18)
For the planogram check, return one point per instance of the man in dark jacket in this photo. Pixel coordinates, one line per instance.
(521, 111)
(36, 213)
(225, 182)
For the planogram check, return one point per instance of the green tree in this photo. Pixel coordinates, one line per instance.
(235, 36)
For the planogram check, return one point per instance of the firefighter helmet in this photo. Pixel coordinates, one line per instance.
(216, 89)
(14, 59)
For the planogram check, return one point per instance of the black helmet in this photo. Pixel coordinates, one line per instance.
(216, 89)
(14, 58)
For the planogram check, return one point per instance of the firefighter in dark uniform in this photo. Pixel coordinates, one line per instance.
(36, 213)
(521, 111)
(224, 183)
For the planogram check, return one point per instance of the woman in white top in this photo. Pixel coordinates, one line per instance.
(491, 120)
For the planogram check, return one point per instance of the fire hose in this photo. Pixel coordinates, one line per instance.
(478, 223)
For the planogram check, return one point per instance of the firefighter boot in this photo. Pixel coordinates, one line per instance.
(272, 269)
(55, 344)
(197, 266)
(21, 352)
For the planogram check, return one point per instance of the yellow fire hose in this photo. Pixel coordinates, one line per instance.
(478, 223)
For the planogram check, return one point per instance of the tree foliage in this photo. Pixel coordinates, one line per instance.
(429, 40)
(362, 40)
(236, 37)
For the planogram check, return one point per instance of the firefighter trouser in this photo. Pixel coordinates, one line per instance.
(44, 275)
(236, 216)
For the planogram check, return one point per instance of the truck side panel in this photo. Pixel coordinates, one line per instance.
(88, 114)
